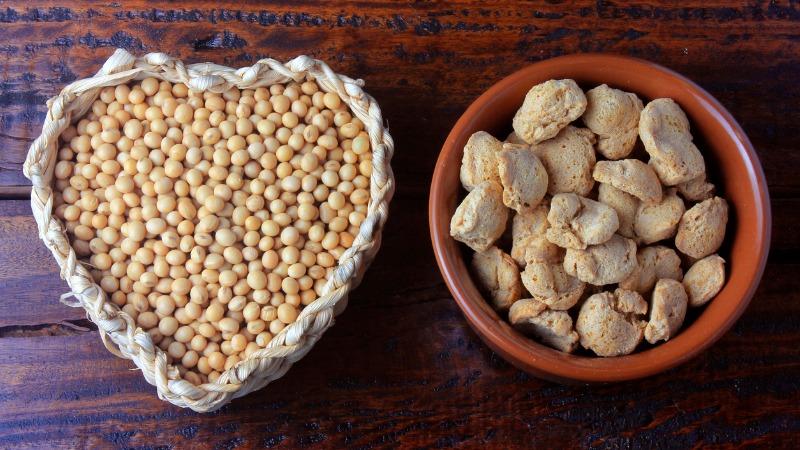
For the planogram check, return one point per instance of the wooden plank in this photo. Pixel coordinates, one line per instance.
(400, 366)
(424, 64)
(30, 275)
(391, 373)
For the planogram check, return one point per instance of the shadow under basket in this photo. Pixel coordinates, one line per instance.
(118, 330)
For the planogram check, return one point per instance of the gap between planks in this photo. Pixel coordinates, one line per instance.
(64, 328)
(15, 192)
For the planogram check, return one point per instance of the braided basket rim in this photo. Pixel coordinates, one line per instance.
(117, 329)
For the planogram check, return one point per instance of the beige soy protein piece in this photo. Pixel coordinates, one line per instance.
(631, 176)
(552, 328)
(664, 130)
(704, 280)
(623, 203)
(659, 221)
(479, 162)
(702, 228)
(606, 263)
(653, 263)
(548, 108)
(577, 222)
(481, 217)
(498, 277)
(523, 177)
(550, 284)
(528, 241)
(667, 311)
(613, 115)
(610, 324)
(569, 159)
(696, 189)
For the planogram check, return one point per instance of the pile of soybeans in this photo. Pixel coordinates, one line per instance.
(213, 219)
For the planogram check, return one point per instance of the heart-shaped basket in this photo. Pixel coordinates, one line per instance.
(117, 329)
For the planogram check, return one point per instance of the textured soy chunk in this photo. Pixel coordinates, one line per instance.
(610, 324)
(550, 284)
(623, 203)
(607, 263)
(569, 158)
(479, 162)
(667, 311)
(652, 264)
(664, 130)
(497, 277)
(613, 115)
(656, 222)
(704, 280)
(529, 243)
(552, 328)
(523, 177)
(702, 228)
(577, 222)
(481, 217)
(548, 107)
(631, 176)
(696, 189)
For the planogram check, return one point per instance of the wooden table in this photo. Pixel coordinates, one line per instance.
(401, 368)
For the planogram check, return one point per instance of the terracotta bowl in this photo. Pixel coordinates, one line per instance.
(733, 168)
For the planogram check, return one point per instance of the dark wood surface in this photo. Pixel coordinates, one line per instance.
(401, 368)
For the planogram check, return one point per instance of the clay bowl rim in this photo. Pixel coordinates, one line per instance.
(710, 325)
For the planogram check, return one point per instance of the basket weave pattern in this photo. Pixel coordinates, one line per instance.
(118, 330)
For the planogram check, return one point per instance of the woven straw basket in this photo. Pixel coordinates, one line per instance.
(117, 329)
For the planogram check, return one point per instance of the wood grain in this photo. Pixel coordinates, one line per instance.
(408, 381)
(413, 374)
(425, 64)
